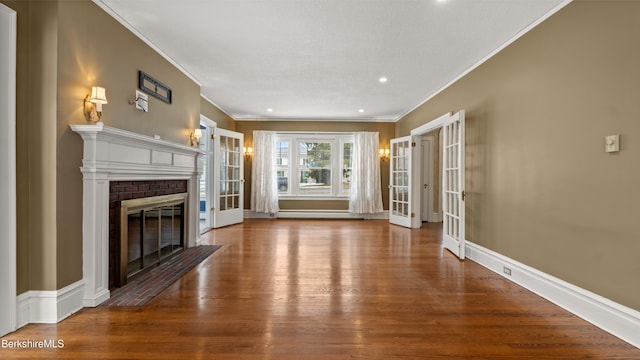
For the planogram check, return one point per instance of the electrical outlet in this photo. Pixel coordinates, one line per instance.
(506, 270)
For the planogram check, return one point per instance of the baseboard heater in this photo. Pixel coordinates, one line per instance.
(315, 214)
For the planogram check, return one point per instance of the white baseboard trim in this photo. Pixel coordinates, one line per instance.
(49, 307)
(315, 214)
(98, 299)
(616, 319)
(436, 217)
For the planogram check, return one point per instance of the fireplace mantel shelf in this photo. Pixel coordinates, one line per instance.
(102, 131)
(111, 154)
(112, 150)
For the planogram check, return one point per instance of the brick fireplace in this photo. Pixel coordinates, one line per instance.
(118, 165)
(120, 191)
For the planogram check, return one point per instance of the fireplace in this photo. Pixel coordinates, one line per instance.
(151, 230)
(144, 166)
(136, 196)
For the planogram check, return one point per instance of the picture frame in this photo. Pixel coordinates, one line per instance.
(154, 87)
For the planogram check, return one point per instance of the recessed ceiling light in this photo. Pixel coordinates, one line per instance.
(361, 110)
(383, 79)
(269, 109)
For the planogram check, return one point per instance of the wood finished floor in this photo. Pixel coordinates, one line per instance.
(321, 289)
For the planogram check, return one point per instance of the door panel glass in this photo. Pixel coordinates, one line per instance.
(230, 178)
(400, 178)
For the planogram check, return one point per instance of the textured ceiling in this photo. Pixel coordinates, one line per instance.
(322, 59)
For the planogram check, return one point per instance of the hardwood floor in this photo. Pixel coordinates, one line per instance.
(321, 289)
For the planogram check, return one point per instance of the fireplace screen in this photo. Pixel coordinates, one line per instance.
(151, 230)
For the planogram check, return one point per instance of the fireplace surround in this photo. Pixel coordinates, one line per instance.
(111, 155)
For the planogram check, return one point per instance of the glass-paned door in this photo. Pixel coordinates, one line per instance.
(400, 211)
(453, 184)
(229, 178)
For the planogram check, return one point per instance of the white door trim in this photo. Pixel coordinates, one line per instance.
(427, 177)
(209, 148)
(8, 219)
(432, 125)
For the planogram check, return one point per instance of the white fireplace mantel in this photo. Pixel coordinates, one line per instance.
(111, 154)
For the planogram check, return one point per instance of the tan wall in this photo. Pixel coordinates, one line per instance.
(386, 131)
(223, 121)
(541, 189)
(36, 145)
(65, 47)
(110, 56)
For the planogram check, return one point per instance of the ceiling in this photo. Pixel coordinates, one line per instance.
(323, 59)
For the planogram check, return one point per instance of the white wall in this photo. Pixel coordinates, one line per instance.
(8, 165)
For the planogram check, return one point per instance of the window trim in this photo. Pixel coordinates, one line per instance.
(337, 141)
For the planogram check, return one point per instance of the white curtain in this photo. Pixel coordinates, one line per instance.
(366, 192)
(264, 183)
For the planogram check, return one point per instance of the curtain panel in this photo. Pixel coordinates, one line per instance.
(264, 182)
(366, 192)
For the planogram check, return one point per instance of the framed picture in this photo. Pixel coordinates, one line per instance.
(154, 87)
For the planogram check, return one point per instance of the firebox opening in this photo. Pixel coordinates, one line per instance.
(152, 229)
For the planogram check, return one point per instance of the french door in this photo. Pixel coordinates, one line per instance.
(400, 181)
(228, 178)
(453, 184)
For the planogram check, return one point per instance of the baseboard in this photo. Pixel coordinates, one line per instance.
(315, 214)
(248, 214)
(49, 307)
(617, 319)
(98, 299)
(436, 217)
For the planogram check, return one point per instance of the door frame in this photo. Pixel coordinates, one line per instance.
(424, 129)
(432, 125)
(427, 176)
(8, 218)
(207, 137)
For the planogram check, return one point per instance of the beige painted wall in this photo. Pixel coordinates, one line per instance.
(386, 131)
(541, 189)
(36, 145)
(65, 47)
(110, 56)
(223, 121)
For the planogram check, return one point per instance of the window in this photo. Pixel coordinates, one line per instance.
(282, 165)
(314, 165)
(347, 153)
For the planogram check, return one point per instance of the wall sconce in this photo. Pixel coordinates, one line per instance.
(93, 103)
(248, 152)
(194, 137)
(384, 154)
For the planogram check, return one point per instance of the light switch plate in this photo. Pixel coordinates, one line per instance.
(142, 101)
(612, 143)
